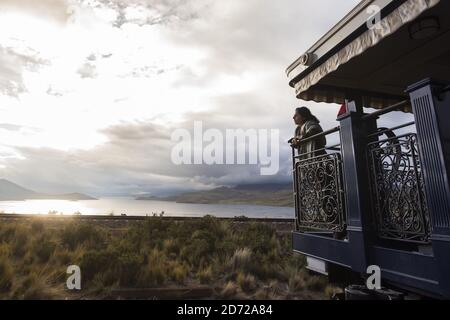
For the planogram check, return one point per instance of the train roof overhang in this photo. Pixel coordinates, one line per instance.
(377, 64)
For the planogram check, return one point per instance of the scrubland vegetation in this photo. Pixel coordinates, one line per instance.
(243, 261)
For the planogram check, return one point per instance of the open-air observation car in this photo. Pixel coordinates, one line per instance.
(381, 196)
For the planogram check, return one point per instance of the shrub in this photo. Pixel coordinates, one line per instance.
(214, 226)
(37, 226)
(128, 269)
(95, 262)
(296, 283)
(155, 228)
(179, 273)
(6, 274)
(63, 257)
(205, 275)
(257, 236)
(20, 242)
(196, 252)
(229, 291)
(172, 246)
(246, 282)
(241, 260)
(316, 283)
(153, 275)
(7, 232)
(43, 249)
(5, 250)
(266, 293)
(82, 234)
(37, 287)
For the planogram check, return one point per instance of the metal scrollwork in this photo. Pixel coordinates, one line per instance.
(400, 209)
(320, 201)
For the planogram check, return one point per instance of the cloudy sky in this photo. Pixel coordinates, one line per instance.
(91, 90)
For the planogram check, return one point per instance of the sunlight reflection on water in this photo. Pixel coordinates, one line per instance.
(129, 206)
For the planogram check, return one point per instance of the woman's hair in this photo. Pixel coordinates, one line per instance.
(306, 114)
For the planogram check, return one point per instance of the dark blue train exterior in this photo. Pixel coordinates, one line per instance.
(381, 197)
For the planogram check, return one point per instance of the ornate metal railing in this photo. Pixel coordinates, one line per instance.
(319, 193)
(400, 210)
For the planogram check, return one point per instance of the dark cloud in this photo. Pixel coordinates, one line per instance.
(135, 159)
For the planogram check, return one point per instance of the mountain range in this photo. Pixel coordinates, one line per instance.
(10, 191)
(270, 194)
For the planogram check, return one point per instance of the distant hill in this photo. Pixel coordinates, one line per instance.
(279, 195)
(65, 196)
(9, 191)
(12, 191)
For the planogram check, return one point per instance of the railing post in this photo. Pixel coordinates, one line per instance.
(431, 109)
(295, 187)
(354, 132)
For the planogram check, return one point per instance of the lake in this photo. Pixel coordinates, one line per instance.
(132, 207)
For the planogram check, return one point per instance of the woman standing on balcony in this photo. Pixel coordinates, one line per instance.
(308, 126)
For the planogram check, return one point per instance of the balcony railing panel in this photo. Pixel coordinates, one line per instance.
(399, 204)
(319, 193)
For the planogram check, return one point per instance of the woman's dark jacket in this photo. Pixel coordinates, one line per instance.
(308, 149)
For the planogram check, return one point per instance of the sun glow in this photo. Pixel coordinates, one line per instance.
(85, 75)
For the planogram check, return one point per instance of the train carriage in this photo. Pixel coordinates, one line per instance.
(381, 196)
